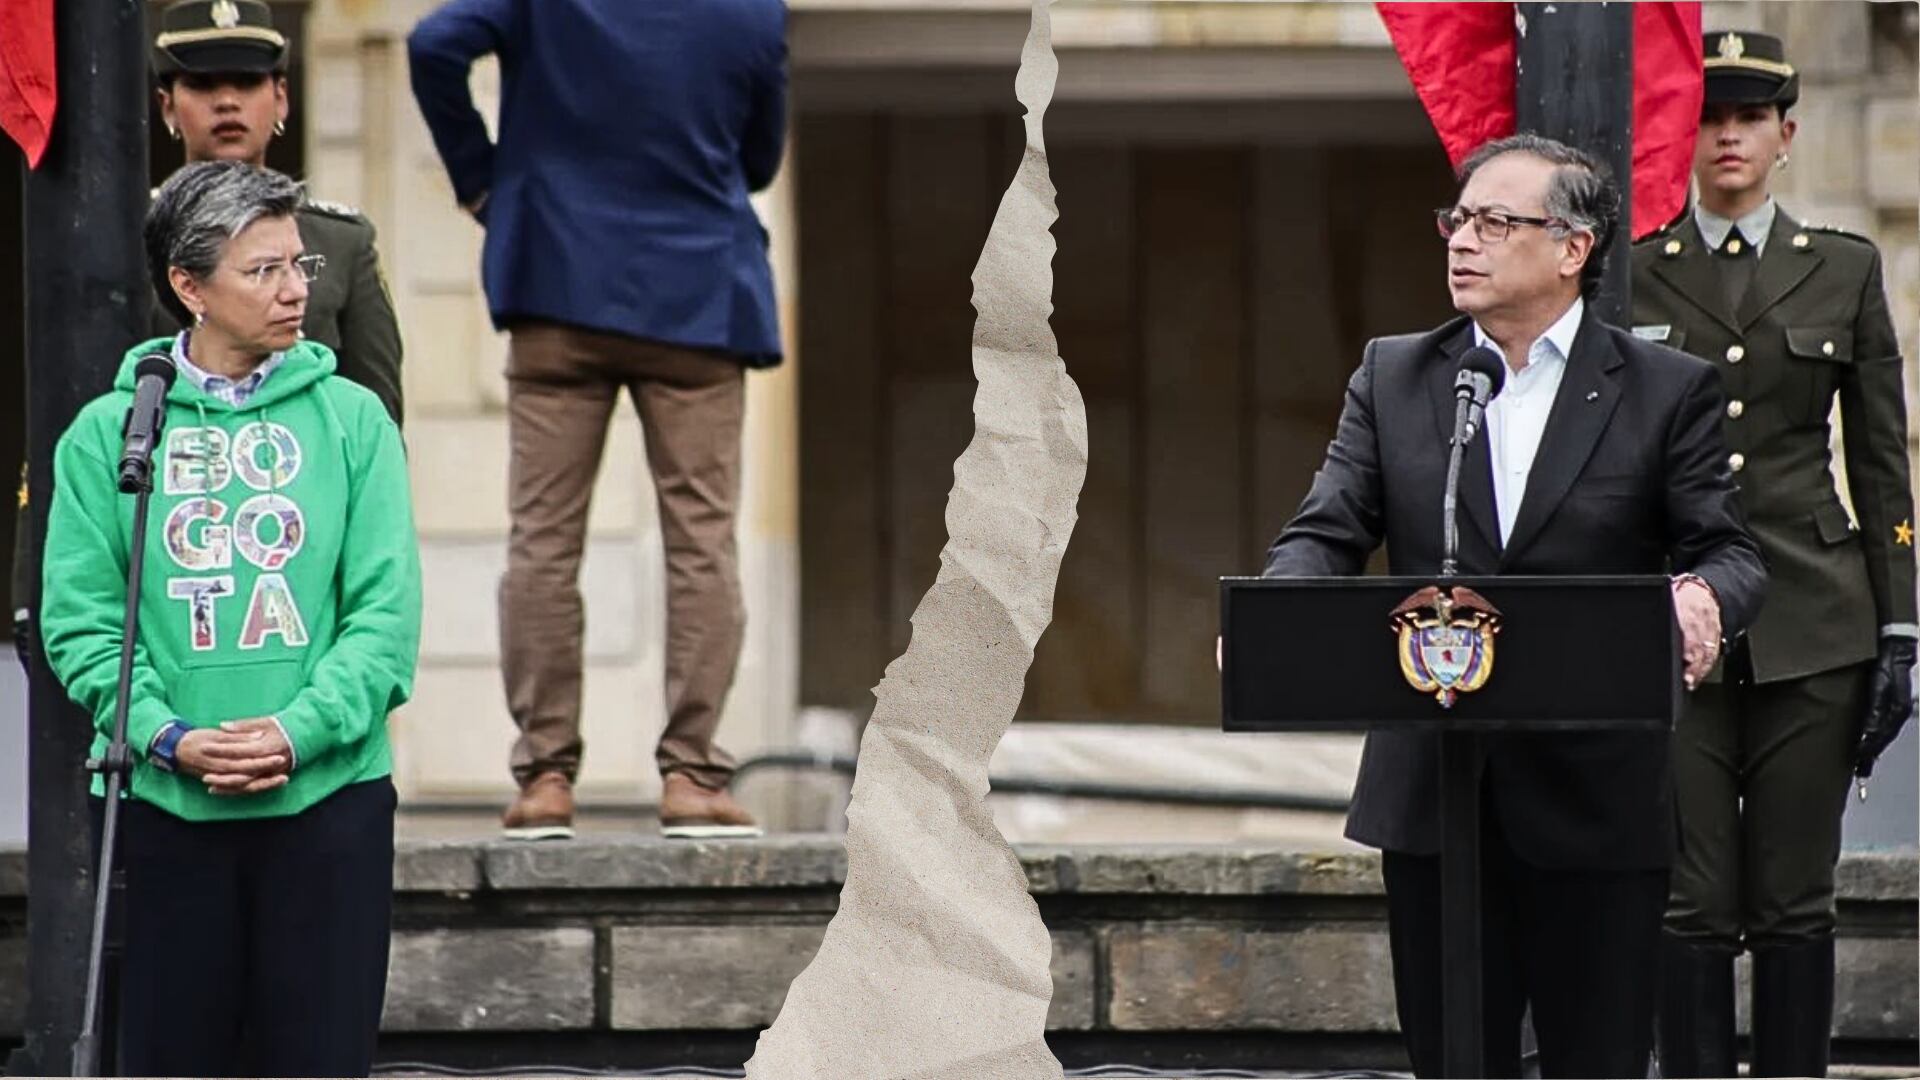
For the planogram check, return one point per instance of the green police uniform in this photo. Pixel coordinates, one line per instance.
(1795, 317)
(349, 308)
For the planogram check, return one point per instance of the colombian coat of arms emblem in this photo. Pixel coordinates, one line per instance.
(1446, 641)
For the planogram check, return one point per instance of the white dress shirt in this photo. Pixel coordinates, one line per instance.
(1754, 226)
(1518, 416)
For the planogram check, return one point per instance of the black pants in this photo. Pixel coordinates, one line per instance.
(1580, 947)
(257, 948)
(1762, 773)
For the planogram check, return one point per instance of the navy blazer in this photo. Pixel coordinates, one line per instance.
(630, 136)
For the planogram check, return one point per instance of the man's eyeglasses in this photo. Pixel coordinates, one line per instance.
(1491, 225)
(272, 274)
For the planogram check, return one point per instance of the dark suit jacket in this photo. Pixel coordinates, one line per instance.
(1631, 478)
(630, 136)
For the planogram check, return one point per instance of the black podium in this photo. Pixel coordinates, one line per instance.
(1566, 654)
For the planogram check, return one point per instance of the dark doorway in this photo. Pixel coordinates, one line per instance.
(1212, 297)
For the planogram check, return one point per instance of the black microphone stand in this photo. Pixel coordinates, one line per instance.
(136, 478)
(1463, 1001)
(1450, 502)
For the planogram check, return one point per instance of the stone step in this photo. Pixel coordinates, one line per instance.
(620, 937)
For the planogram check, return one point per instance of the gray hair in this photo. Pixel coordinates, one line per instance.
(1581, 192)
(199, 209)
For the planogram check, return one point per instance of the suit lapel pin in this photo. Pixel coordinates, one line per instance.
(1593, 395)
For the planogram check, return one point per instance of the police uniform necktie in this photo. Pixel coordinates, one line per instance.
(1738, 261)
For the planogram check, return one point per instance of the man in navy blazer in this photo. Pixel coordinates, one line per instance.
(621, 251)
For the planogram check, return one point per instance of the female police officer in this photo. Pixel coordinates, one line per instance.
(1793, 315)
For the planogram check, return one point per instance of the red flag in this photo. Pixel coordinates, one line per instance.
(1669, 85)
(26, 74)
(1461, 60)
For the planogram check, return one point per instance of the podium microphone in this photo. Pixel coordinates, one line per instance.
(1479, 381)
(1482, 374)
(153, 377)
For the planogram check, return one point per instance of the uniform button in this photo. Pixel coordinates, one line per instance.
(1735, 408)
(1736, 353)
(1736, 461)
(1826, 348)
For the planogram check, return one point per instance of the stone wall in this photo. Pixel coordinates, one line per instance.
(566, 946)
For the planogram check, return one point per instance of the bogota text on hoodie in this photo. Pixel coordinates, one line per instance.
(282, 577)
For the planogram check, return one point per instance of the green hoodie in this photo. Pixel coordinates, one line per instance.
(282, 577)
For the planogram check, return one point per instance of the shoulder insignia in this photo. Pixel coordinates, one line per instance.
(332, 209)
(1833, 230)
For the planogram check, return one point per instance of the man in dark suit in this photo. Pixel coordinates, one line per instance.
(621, 252)
(1602, 455)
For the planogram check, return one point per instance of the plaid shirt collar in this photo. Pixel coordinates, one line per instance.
(234, 392)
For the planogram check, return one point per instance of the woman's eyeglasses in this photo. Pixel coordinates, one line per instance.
(273, 274)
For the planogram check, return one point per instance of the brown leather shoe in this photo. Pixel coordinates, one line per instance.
(690, 811)
(543, 810)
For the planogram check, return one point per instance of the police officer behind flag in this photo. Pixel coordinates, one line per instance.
(1793, 315)
(220, 66)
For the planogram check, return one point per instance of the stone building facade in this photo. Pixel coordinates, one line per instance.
(1271, 75)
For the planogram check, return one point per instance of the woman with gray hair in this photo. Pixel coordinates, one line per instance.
(279, 618)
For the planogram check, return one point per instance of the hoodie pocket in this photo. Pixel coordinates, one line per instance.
(208, 694)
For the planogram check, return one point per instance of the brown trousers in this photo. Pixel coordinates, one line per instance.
(562, 385)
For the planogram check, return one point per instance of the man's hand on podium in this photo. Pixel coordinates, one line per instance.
(1698, 610)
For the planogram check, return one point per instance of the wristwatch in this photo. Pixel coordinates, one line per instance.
(1695, 579)
(160, 753)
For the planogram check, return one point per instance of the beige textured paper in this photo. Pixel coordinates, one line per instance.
(936, 965)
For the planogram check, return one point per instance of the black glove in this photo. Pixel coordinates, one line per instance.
(1889, 702)
(23, 640)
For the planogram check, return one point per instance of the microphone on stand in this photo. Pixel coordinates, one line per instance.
(1482, 374)
(153, 377)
